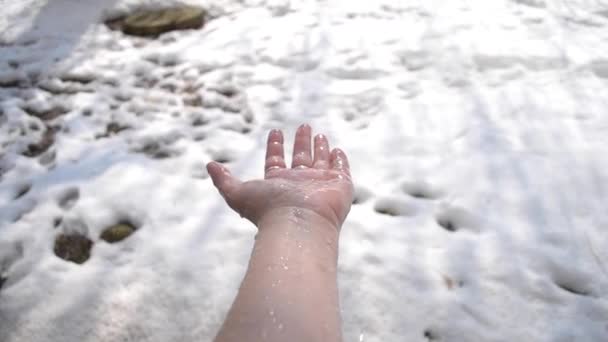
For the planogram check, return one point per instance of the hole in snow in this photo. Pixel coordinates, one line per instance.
(573, 289)
(430, 335)
(421, 189)
(453, 218)
(22, 190)
(68, 198)
(372, 259)
(447, 224)
(600, 67)
(361, 195)
(222, 159)
(451, 283)
(156, 150)
(393, 206)
(573, 282)
(199, 121)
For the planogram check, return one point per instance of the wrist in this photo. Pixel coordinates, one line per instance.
(300, 224)
(297, 217)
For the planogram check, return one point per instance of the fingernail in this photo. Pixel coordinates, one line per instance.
(275, 134)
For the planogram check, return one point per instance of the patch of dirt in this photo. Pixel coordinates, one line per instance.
(47, 140)
(73, 247)
(112, 128)
(193, 101)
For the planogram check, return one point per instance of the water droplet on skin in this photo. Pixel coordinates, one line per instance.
(281, 326)
(271, 313)
(285, 267)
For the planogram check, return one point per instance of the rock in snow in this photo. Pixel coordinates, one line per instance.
(155, 22)
(73, 247)
(117, 232)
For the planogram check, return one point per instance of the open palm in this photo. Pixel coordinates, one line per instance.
(321, 184)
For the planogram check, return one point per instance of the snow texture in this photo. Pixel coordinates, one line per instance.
(477, 132)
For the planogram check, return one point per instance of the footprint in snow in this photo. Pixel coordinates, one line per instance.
(157, 147)
(430, 335)
(361, 195)
(421, 190)
(68, 198)
(22, 190)
(9, 255)
(453, 219)
(572, 281)
(395, 206)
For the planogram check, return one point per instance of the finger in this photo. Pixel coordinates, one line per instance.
(321, 152)
(339, 161)
(275, 157)
(222, 179)
(301, 147)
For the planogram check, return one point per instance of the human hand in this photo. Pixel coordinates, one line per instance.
(321, 186)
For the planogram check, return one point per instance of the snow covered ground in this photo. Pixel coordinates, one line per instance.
(477, 132)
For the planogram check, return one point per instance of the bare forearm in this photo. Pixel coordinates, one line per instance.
(289, 292)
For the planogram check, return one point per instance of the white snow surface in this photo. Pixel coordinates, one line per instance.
(477, 132)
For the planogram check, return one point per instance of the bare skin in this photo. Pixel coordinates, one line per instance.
(290, 292)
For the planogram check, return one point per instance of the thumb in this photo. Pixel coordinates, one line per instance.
(222, 179)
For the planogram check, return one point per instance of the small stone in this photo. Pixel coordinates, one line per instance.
(156, 22)
(73, 247)
(117, 232)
